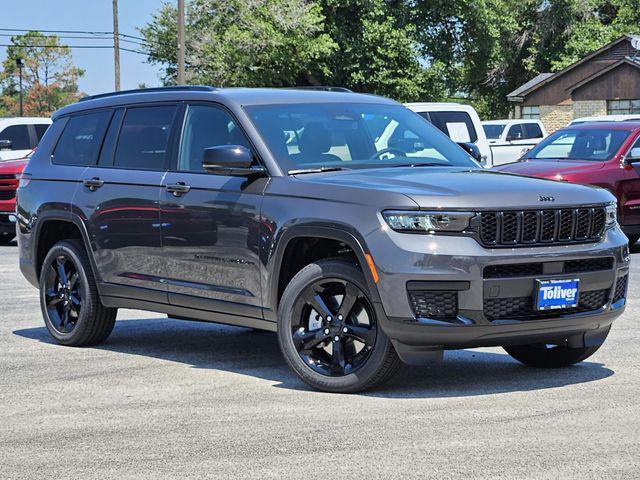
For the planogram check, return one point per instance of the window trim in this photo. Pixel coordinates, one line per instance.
(173, 168)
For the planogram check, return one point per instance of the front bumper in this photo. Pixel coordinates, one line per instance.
(457, 264)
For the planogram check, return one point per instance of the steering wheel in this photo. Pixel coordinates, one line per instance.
(387, 150)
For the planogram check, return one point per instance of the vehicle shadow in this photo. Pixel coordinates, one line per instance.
(256, 353)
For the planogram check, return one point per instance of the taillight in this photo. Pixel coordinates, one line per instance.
(24, 179)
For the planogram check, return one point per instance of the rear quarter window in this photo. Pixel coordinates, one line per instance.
(458, 126)
(81, 139)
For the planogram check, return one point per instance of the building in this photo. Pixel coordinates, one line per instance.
(606, 81)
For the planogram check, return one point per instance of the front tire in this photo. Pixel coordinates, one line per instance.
(69, 298)
(550, 356)
(328, 330)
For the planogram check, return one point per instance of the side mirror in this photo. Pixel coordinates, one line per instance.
(634, 155)
(472, 149)
(233, 160)
(6, 145)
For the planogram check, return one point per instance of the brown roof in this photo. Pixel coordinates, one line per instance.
(531, 86)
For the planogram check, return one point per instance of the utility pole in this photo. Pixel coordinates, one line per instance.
(20, 65)
(181, 46)
(116, 46)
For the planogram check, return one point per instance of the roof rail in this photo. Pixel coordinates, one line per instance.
(179, 88)
(323, 88)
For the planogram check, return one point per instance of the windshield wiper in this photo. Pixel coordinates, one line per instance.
(316, 170)
(421, 164)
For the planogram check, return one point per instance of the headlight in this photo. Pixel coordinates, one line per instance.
(611, 214)
(428, 221)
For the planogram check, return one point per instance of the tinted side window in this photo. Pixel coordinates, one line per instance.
(456, 125)
(144, 138)
(515, 133)
(205, 127)
(18, 135)
(532, 130)
(80, 141)
(41, 128)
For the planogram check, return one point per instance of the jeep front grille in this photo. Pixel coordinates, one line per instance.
(521, 308)
(541, 227)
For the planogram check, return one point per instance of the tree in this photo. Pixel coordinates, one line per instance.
(378, 50)
(49, 76)
(243, 43)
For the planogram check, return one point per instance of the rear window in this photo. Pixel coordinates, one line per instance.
(81, 139)
(144, 138)
(458, 126)
(532, 130)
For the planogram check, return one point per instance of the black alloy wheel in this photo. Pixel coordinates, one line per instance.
(335, 330)
(329, 332)
(63, 297)
(71, 305)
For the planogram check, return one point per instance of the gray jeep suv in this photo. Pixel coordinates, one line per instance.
(345, 222)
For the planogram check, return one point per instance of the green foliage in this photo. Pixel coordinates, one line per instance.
(410, 50)
(49, 76)
(248, 43)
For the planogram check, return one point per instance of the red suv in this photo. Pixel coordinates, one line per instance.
(10, 172)
(603, 154)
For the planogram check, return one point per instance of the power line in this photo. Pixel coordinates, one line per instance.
(83, 37)
(83, 32)
(72, 46)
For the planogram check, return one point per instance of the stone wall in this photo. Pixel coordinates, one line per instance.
(589, 108)
(556, 116)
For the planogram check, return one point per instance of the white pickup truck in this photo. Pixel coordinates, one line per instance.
(510, 139)
(20, 135)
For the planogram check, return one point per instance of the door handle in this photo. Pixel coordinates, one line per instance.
(93, 183)
(178, 189)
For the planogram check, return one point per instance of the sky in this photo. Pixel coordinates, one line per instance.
(89, 15)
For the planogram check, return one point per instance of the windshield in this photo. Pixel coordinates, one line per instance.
(580, 144)
(494, 130)
(357, 135)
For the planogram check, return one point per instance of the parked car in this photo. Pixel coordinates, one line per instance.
(459, 122)
(20, 135)
(10, 172)
(607, 118)
(510, 139)
(602, 154)
(358, 255)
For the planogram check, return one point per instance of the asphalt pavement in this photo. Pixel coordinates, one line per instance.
(175, 399)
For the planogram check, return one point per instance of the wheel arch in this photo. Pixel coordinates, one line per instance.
(57, 219)
(335, 232)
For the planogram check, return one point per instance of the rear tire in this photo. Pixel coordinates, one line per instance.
(332, 296)
(544, 356)
(69, 297)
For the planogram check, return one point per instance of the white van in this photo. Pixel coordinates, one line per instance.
(460, 122)
(510, 139)
(20, 135)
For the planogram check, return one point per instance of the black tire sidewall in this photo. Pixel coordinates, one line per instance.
(69, 249)
(308, 275)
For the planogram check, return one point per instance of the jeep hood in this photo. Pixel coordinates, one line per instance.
(448, 187)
